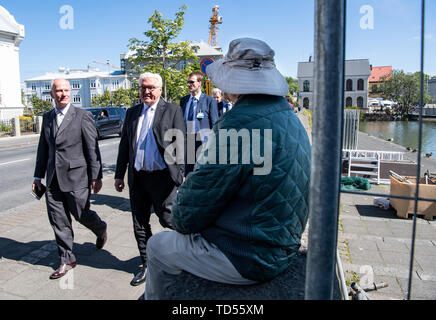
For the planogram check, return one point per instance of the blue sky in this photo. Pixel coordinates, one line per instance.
(102, 30)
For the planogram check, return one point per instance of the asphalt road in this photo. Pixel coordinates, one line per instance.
(17, 165)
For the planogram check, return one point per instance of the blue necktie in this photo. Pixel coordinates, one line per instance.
(140, 150)
(191, 109)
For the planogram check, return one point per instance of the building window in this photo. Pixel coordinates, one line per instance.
(349, 85)
(360, 84)
(47, 86)
(306, 103)
(33, 86)
(115, 84)
(92, 84)
(306, 86)
(348, 102)
(76, 98)
(359, 102)
(48, 98)
(75, 84)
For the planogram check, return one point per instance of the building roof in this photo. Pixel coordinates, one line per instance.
(202, 48)
(356, 67)
(9, 25)
(378, 72)
(77, 74)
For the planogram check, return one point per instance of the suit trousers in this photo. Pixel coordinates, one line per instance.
(149, 189)
(60, 207)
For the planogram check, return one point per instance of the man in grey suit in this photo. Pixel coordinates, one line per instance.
(69, 157)
(154, 172)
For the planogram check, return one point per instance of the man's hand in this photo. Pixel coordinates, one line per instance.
(119, 185)
(36, 184)
(96, 185)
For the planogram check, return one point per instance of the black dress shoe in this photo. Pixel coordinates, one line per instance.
(62, 270)
(101, 241)
(139, 277)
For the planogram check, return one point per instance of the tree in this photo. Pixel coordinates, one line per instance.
(159, 54)
(102, 100)
(39, 105)
(292, 85)
(404, 88)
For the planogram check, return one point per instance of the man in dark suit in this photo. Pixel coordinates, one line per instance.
(154, 173)
(200, 113)
(69, 157)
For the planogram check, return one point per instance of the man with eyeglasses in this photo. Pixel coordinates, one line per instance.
(200, 112)
(153, 174)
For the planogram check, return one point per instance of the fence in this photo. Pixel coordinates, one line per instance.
(28, 125)
(351, 128)
(6, 128)
(328, 136)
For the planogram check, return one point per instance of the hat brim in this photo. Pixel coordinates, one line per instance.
(242, 81)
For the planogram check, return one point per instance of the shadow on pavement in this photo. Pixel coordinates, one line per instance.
(376, 212)
(44, 253)
(114, 202)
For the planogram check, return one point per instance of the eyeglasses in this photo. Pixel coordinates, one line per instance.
(190, 82)
(151, 88)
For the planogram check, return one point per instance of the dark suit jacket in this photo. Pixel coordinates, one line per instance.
(72, 150)
(167, 116)
(207, 105)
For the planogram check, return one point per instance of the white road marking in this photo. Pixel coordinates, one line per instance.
(21, 160)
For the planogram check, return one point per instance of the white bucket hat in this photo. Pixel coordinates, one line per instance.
(248, 68)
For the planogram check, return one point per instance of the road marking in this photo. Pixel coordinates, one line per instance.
(5, 163)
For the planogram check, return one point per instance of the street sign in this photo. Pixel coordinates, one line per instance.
(204, 63)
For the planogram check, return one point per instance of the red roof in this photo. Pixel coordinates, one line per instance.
(378, 72)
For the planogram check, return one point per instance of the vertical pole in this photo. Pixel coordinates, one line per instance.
(327, 147)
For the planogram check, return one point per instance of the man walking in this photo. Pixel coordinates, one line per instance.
(153, 173)
(69, 157)
(200, 112)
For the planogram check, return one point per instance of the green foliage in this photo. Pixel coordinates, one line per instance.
(292, 85)
(39, 105)
(160, 54)
(121, 97)
(404, 88)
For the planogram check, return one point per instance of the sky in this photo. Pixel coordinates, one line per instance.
(387, 32)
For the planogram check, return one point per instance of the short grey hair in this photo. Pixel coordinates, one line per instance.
(146, 75)
(53, 81)
(216, 90)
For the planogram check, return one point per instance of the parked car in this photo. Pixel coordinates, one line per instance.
(387, 104)
(108, 120)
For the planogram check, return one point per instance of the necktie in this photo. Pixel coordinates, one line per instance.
(140, 151)
(191, 109)
(59, 118)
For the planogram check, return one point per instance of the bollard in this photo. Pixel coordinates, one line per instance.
(16, 132)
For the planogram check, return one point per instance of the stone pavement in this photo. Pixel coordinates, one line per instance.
(375, 245)
(28, 253)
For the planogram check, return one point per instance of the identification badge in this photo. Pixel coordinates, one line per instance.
(200, 115)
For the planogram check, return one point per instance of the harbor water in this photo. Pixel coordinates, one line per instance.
(404, 133)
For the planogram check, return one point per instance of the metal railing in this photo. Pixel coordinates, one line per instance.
(327, 137)
(6, 127)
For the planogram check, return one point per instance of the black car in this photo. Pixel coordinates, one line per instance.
(108, 120)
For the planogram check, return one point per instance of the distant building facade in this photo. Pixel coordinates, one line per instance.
(202, 49)
(357, 73)
(85, 84)
(376, 78)
(11, 35)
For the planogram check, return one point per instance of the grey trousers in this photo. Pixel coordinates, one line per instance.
(169, 253)
(60, 207)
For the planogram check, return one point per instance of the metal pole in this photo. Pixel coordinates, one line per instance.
(327, 147)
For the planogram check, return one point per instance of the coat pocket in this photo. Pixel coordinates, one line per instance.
(77, 163)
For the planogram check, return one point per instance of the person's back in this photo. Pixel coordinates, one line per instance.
(260, 226)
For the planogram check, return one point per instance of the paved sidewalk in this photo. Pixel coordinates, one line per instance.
(375, 245)
(29, 254)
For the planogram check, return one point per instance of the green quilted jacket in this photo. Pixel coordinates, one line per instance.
(253, 212)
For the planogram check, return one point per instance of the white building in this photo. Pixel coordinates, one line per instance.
(85, 84)
(357, 74)
(202, 49)
(11, 35)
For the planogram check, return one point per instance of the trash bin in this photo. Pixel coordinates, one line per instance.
(405, 207)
